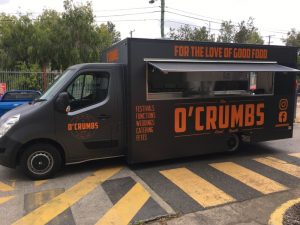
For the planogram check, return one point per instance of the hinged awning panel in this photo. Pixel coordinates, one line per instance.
(167, 67)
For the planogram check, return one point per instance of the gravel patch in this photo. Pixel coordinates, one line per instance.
(292, 215)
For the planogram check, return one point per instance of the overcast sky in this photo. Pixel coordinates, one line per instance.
(272, 17)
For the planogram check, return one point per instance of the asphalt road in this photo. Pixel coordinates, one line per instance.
(240, 188)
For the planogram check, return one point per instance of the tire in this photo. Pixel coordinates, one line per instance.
(233, 143)
(40, 161)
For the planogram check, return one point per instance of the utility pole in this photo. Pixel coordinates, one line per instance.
(162, 16)
(130, 32)
(269, 36)
(162, 19)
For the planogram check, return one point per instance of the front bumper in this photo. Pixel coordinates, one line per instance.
(8, 152)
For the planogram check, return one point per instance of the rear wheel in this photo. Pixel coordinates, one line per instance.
(233, 143)
(41, 161)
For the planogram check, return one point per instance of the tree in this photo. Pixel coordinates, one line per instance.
(83, 39)
(247, 33)
(79, 35)
(48, 30)
(227, 32)
(54, 40)
(188, 33)
(16, 39)
(292, 39)
(115, 35)
(107, 35)
(5, 24)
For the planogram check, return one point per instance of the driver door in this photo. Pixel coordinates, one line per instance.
(86, 131)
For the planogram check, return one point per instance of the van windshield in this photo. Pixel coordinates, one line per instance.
(58, 83)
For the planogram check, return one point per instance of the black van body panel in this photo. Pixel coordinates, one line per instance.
(130, 123)
(161, 141)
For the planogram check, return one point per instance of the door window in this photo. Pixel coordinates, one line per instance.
(88, 89)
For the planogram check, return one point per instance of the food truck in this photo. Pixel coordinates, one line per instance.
(152, 100)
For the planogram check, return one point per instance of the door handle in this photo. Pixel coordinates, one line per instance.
(104, 117)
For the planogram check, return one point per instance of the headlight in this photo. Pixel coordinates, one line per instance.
(9, 123)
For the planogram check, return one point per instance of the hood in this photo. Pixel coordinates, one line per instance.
(23, 110)
(6, 106)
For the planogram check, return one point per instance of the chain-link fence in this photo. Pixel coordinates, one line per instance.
(27, 80)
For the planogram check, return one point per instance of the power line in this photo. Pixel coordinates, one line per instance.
(191, 13)
(276, 32)
(209, 19)
(192, 17)
(127, 14)
(142, 20)
(106, 16)
(138, 20)
(103, 16)
(213, 20)
(125, 20)
(104, 10)
(125, 9)
(192, 25)
(151, 12)
(140, 13)
(278, 38)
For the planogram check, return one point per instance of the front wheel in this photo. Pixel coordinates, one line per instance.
(40, 161)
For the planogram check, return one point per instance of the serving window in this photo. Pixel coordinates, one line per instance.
(204, 84)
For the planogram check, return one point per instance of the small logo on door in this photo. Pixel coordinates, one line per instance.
(83, 126)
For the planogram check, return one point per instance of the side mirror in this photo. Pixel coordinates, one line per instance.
(62, 103)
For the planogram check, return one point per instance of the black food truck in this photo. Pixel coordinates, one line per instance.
(153, 100)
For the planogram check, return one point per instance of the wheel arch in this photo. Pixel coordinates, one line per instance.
(39, 141)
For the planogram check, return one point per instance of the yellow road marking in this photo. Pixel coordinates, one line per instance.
(5, 199)
(39, 182)
(280, 165)
(60, 203)
(126, 208)
(295, 154)
(277, 216)
(5, 187)
(203, 192)
(250, 178)
(37, 199)
(13, 183)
